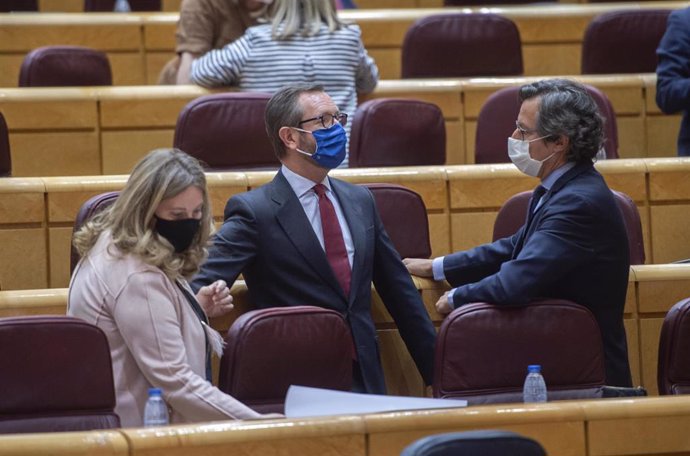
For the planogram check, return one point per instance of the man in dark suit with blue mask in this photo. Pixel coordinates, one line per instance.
(573, 244)
(308, 239)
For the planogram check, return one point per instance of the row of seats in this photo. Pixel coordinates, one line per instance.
(385, 132)
(80, 394)
(447, 45)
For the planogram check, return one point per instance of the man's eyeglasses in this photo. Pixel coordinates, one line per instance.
(327, 120)
(523, 131)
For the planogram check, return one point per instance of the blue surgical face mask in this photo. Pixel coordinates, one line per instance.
(330, 146)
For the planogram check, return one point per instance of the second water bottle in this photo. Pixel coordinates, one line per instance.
(535, 387)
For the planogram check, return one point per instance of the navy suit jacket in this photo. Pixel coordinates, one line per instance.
(268, 238)
(673, 73)
(575, 247)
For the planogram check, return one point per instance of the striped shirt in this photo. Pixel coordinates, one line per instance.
(256, 62)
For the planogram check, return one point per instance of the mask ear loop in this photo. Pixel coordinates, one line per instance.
(300, 150)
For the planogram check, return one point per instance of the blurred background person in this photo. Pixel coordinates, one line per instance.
(131, 282)
(673, 73)
(206, 25)
(304, 42)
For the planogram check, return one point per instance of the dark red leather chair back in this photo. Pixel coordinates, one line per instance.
(397, 132)
(497, 118)
(673, 373)
(513, 214)
(462, 45)
(483, 350)
(7, 6)
(270, 349)
(5, 157)
(226, 131)
(109, 5)
(623, 41)
(56, 376)
(63, 66)
(91, 207)
(404, 217)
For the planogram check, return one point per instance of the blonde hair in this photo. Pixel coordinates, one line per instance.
(162, 174)
(304, 17)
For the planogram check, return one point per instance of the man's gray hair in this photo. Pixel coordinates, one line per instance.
(566, 108)
(284, 110)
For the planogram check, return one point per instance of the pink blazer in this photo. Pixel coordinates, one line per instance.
(156, 339)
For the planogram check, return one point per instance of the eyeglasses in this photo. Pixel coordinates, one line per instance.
(328, 120)
(523, 131)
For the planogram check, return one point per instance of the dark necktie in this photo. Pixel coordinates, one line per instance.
(536, 196)
(333, 240)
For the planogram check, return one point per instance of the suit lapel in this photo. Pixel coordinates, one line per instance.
(291, 218)
(557, 186)
(355, 222)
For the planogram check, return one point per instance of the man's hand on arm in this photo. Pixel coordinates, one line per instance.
(420, 267)
(442, 305)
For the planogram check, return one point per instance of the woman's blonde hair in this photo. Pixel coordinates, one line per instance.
(162, 174)
(304, 17)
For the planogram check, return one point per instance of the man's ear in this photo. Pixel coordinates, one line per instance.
(288, 136)
(561, 143)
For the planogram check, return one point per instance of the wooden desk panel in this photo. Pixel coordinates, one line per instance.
(551, 34)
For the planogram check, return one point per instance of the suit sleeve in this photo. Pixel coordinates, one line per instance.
(673, 69)
(234, 245)
(150, 326)
(557, 246)
(473, 265)
(403, 301)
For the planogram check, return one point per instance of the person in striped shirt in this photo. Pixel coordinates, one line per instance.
(304, 42)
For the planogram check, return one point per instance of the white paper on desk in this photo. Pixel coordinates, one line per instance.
(302, 401)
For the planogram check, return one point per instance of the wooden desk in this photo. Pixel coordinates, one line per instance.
(138, 45)
(106, 130)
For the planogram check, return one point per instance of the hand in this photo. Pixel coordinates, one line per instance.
(442, 305)
(420, 267)
(215, 299)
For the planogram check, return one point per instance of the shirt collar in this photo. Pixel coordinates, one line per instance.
(551, 179)
(300, 184)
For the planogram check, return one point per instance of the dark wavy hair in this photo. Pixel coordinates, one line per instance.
(566, 108)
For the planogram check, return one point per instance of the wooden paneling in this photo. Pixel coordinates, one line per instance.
(551, 34)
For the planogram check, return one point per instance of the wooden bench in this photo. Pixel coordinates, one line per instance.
(138, 45)
(91, 131)
(462, 201)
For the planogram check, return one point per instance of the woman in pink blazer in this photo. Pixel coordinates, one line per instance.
(132, 283)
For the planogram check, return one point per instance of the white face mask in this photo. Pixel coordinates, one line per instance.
(518, 151)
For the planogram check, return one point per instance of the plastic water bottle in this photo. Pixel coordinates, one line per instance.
(535, 388)
(122, 6)
(155, 412)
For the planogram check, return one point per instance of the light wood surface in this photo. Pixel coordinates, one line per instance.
(605, 427)
(462, 202)
(87, 131)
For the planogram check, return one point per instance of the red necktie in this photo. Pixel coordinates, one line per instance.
(333, 240)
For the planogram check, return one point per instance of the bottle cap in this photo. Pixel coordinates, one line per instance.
(534, 368)
(155, 392)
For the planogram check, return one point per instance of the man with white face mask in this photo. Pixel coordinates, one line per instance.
(573, 244)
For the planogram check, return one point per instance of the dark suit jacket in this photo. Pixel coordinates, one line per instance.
(267, 237)
(673, 73)
(575, 248)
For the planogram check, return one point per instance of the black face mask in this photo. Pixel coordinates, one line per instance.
(180, 233)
